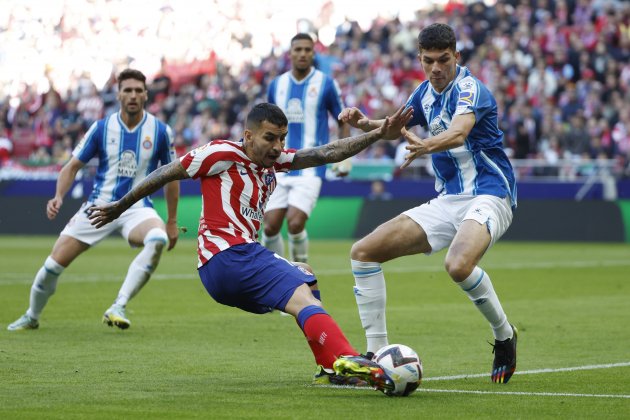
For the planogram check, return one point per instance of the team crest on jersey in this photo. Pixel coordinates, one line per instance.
(269, 177)
(312, 92)
(147, 143)
(127, 166)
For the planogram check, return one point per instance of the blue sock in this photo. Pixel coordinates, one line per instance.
(317, 294)
(308, 312)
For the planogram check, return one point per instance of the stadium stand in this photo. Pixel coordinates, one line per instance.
(560, 70)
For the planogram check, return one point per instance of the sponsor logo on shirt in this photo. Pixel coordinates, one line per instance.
(436, 126)
(127, 165)
(294, 111)
(251, 213)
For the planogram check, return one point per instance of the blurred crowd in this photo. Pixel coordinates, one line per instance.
(559, 69)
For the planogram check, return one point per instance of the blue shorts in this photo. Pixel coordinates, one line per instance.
(252, 278)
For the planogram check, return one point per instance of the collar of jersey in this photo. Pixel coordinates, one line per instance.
(308, 76)
(122, 123)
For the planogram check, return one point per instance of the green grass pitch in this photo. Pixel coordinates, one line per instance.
(186, 356)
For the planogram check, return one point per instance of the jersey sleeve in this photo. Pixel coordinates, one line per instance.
(271, 92)
(88, 147)
(334, 103)
(167, 142)
(283, 164)
(207, 160)
(472, 97)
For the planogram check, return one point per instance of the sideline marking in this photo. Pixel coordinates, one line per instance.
(537, 394)
(525, 372)
(531, 372)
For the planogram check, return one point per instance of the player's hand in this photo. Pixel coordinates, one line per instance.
(172, 231)
(53, 207)
(102, 215)
(355, 118)
(416, 147)
(393, 126)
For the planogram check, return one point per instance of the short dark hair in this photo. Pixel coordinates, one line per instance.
(437, 36)
(132, 74)
(266, 112)
(300, 36)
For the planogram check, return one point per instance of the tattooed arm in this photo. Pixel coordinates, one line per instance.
(339, 150)
(102, 215)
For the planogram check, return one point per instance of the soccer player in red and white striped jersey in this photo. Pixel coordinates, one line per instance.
(237, 178)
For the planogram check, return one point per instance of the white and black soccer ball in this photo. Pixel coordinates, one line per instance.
(403, 365)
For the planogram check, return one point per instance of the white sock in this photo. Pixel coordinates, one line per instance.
(371, 296)
(479, 289)
(142, 266)
(298, 246)
(274, 243)
(44, 286)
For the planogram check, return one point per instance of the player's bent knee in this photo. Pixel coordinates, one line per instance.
(361, 252)
(458, 268)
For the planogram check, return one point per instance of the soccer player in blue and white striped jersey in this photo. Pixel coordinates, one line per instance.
(307, 96)
(129, 145)
(476, 195)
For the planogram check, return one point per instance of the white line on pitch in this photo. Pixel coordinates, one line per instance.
(542, 394)
(21, 278)
(531, 372)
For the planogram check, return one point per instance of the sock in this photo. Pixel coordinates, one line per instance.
(324, 336)
(44, 286)
(274, 243)
(479, 289)
(298, 246)
(371, 296)
(142, 266)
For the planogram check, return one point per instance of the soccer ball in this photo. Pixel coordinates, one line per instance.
(402, 365)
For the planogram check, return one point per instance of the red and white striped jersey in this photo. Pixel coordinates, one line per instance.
(234, 194)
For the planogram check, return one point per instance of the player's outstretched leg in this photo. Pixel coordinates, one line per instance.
(504, 363)
(325, 376)
(369, 371)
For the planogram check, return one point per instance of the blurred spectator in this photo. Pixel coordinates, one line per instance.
(547, 61)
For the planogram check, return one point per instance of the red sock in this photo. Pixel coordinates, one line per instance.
(326, 340)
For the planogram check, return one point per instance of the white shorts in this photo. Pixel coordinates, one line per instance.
(300, 192)
(81, 229)
(442, 216)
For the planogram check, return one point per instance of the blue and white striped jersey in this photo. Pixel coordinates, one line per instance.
(306, 104)
(125, 157)
(480, 165)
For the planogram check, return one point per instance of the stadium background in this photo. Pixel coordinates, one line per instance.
(560, 71)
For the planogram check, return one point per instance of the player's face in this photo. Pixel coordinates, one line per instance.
(264, 144)
(302, 54)
(132, 96)
(439, 66)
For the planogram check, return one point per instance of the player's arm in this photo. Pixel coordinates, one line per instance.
(66, 177)
(174, 171)
(454, 137)
(171, 194)
(357, 119)
(339, 150)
